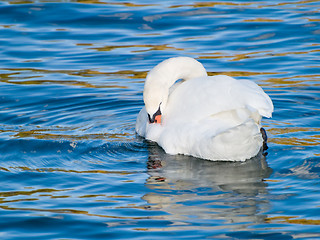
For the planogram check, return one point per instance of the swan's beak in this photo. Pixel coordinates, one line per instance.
(156, 118)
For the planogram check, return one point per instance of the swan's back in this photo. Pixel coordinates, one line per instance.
(201, 98)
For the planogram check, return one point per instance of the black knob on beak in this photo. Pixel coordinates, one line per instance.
(156, 118)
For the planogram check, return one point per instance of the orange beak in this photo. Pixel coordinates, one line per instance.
(158, 119)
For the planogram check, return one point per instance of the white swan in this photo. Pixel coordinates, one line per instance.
(215, 118)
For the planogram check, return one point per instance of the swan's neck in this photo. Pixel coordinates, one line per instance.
(172, 69)
(164, 75)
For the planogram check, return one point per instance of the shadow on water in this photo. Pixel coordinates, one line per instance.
(190, 188)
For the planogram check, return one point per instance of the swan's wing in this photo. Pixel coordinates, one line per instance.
(254, 97)
(204, 97)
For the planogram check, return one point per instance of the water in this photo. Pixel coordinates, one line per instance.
(71, 81)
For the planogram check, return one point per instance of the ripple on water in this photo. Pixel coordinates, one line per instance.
(71, 81)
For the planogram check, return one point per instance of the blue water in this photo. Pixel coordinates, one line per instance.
(71, 81)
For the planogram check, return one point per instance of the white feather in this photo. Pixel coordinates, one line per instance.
(216, 118)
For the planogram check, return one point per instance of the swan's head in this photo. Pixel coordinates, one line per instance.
(155, 99)
(162, 77)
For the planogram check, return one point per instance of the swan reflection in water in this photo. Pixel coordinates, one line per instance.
(222, 192)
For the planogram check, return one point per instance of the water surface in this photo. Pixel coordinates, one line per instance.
(71, 81)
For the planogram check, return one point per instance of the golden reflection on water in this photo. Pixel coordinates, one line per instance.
(213, 4)
(51, 170)
(296, 53)
(313, 19)
(148, 47)
(294, 81)
(194, 5)
(241, 73)
(252, 4)
(284, 130)
(125, 4)
(235, 57)
(263, 20)
(281, 139)
(28, 76)
(313, 140)
(253, 55)
(82, 72)
(69, 211)
(26, 193)
(294, 4)
(292, 220)
(40, 134)
(25, 76)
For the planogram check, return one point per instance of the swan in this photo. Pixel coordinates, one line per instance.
(209, 117)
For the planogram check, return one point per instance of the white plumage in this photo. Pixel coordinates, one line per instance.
(215, 118)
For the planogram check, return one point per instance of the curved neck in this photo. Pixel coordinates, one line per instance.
(164, 75)
(173, 69)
